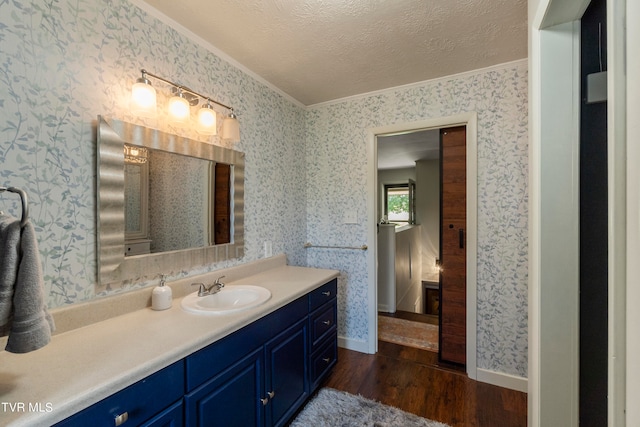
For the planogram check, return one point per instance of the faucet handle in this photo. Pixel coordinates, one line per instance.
(218, 282)
(202, 291)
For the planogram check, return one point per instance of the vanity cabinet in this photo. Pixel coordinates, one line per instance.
(323, 335)
(257, 376)
(254, 377)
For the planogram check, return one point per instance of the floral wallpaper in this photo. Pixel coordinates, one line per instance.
(337, 180)
(63, 63)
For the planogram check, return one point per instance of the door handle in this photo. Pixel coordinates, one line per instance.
(461, 235)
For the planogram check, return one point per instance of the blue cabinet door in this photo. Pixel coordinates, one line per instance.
(170, 417)
(287, 386)
(230, 398)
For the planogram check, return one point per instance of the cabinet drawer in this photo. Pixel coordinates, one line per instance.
(139, 401)
(323, 360)
(322, 323)
(323, 294)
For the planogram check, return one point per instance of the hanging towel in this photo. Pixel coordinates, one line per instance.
(23, 313)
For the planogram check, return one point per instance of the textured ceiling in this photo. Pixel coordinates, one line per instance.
(321, 50)
(403, 150)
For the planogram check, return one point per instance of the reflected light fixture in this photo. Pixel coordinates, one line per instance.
(144, 104)
(135, 154)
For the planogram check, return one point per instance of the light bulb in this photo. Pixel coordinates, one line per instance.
(231, 128)
(179, 108)
(143, 98)
(207, 120)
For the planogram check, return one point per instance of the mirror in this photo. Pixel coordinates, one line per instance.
(171, 201)
(136, 199)
(165, 203)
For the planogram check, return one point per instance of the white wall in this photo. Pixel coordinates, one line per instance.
(386, 286)
(428, 215)
(408, 269)
(338, 165)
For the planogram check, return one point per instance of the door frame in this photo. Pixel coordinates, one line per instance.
(553, 122)
(470, 120)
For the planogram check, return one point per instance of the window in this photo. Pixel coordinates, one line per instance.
(399, 206)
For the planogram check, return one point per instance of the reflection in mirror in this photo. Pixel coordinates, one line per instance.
(180, 205)
(180, 192)
(160, 196)
(136, 190)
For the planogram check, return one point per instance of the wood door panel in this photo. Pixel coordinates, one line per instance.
(222, 205)
(452, 326)
(456, 309)
(455, 350)
(456, 206)
(453, 284)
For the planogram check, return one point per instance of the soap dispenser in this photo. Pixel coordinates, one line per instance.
(161, 296)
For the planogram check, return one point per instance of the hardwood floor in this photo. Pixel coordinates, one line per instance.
(414, 317)
(412, 380)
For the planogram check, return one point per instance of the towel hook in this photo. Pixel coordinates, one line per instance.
(25, 202)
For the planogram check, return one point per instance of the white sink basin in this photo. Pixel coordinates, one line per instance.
(230, 299)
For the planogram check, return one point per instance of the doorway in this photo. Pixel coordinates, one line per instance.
(470, 121)
(593, 375)
(422, 178)
(408, 173)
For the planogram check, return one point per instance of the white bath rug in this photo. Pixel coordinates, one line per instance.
(333, 408)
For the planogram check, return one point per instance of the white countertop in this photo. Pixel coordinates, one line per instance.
(83, 366)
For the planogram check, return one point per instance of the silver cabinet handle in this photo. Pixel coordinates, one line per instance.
(265, 400)
(327, 293)
(326, 322)
(121, 419)
(326, 359)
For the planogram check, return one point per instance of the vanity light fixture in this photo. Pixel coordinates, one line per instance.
(143, 103)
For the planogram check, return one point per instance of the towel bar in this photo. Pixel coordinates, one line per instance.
(309, 245)
(25, 202)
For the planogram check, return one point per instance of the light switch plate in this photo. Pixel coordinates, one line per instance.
(350, 217)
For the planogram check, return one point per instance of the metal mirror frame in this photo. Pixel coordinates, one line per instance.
(113, 267)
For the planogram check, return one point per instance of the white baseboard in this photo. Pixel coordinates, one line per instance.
(355, 345)
(385, 308)
(500, 379)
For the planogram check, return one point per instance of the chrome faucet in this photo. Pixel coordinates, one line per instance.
(203, 291)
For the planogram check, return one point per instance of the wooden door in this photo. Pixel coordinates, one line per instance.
(453, 223)
(222, 204)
